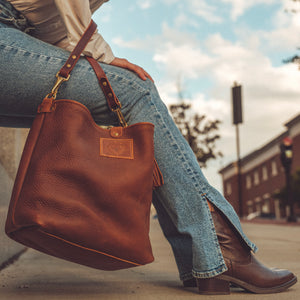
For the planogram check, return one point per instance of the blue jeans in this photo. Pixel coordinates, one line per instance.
(27, 73)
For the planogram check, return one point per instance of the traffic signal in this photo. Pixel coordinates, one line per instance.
(286, 152)
(236, 93)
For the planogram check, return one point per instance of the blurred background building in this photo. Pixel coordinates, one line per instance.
(263, 177)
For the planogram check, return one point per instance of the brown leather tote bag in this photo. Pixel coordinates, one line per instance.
(83, 193)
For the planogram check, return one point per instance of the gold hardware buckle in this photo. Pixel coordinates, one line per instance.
(121, 117)
(56, 86)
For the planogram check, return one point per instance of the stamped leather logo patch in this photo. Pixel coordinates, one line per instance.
(117, 148)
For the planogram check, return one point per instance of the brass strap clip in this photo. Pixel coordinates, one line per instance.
(59, 81)
(121, 117)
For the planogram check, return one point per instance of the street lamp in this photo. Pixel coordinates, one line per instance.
(286, 157)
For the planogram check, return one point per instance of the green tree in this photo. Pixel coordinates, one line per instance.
(200, 133)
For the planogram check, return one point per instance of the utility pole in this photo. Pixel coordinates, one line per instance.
(238, 119)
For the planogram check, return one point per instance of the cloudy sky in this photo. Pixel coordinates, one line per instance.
(207, 45)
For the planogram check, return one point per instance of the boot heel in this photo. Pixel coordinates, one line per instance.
(213, 286)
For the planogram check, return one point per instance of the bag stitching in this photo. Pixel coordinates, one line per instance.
(93, 250)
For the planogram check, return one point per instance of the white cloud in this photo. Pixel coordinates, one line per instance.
(184, 19)
(180, 53)
(283, 37)
(240, 6)
(133, 44)
(204, 10)
(144, 4)
(182, 60)
(171, 47)
(286, 30)
(198, 8)
(270, 94)
(171, 2)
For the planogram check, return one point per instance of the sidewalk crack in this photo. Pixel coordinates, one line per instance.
(12, 259)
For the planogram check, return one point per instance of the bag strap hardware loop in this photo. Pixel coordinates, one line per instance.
(59, 81)
(120, 117)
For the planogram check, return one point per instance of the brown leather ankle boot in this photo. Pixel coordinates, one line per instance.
(244, 270)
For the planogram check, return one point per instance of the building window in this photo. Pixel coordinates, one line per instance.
(266, 207)
(258, 203)
(228, 188)
(249, 202)
(264, 173)
(248, 182)
(250, 206)
(274, 168)
(256, 178)
(257, 199)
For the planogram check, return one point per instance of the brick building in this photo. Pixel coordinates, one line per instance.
(262, 174)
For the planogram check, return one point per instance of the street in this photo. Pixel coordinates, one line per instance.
(38, 276)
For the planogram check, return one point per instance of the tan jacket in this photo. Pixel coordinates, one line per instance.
(62, 22)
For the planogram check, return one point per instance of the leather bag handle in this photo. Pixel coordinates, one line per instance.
(64, 73)
(75, 54)
(111, 98)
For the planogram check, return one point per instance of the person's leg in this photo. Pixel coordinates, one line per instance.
(184, 203)
(28, 69)
(244, 270)
(185, 193)
(181, 243)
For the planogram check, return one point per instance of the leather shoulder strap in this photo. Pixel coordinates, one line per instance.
(110, 96)
(75, 54)
(66, 69)
(64, 73)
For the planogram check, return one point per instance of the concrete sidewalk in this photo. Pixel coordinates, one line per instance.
(38, 276)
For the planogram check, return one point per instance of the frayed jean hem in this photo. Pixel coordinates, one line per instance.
(210, 273)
